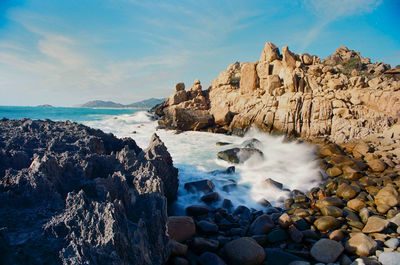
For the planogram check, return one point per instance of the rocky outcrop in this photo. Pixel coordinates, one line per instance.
(342, 98)
(70, 194)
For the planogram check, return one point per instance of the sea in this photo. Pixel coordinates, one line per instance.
(293, 164)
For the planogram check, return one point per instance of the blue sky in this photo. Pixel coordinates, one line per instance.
(71, 51)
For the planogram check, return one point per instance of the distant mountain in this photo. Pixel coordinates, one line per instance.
(145, 104)
(101, 104)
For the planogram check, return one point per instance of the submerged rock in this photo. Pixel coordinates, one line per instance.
(252, 143)
(238, 155)
(205, 186)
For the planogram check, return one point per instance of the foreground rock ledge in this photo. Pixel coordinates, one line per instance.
(70, 194)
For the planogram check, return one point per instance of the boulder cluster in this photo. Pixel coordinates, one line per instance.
(351, 218)
(342, 98)
(346, 105)
(70, 194)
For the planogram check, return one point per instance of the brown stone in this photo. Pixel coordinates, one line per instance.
(337, 235)
(326, 223)
(285, 221)
(361, 244)
(387, 198)
(346, 191)
(332, 211)
(356, 204)
(375, 225)
(334, 171)
(329, 201)
(180, 228)
(376, 165)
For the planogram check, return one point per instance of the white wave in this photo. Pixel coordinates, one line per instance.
(195, 154)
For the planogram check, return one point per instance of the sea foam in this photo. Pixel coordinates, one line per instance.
(195, 155)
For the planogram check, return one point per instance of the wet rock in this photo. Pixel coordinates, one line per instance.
(295, 234)
(329, 201)
(200, 245)
(244, 251)
(180, 261)
(262, 240)
(334, 171)
(361, 245)
(302, 224)
(277, 235)
(270, 183)
(197, 210)
(229, 170)
(337, 235)
(180, 228)
(209, 258)
(210, 197)
(252, 143)
(285, 220)
(346, 191)
(227, 204)
(326, 223)
(375, 225)
(386, 198)
(238, 155)
(178, 249)
(261, 225)
(276, 256)
(207, 227)
(389, 258)
(205, 186)
(332, 211)
(222, 143)
(326, 250)
(229, 187)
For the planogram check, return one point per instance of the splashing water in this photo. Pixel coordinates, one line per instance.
(195, 155)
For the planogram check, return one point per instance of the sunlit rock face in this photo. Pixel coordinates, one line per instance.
(342, 98)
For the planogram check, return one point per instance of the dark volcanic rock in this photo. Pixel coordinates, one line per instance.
(205, 186)
(70, 194)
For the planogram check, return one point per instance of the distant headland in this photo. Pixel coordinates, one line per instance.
(144, 104)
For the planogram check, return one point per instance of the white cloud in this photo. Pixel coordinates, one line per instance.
(327, 11)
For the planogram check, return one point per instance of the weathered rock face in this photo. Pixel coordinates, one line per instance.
(70, 194)
(344, 97)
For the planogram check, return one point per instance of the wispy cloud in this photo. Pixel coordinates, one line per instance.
(181, 35)
(328, 11)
